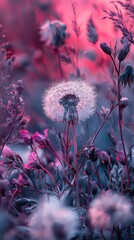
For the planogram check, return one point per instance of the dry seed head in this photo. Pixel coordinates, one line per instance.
(76, 99)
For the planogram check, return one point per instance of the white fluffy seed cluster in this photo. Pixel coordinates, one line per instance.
(81, 89)
(52, 212)
(109, 209)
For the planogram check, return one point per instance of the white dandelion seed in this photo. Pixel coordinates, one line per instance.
(110, 209)
(53, 33)
(69, 100)
(53, 213)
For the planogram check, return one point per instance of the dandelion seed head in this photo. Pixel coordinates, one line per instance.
(110, 209)
(50, 213)
(82, 96)
(53, 33)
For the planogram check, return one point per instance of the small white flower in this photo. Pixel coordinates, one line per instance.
(77, 94)
(109, 209)
(50, 213)
(53, 33)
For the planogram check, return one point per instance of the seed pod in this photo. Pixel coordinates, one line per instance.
(104, 157)
(70, 156)
(93, 153)
(123, 52)
(106, 49)
(88, 168)
(124, 102)
(121, 158)
(113, 160)
(94, 188)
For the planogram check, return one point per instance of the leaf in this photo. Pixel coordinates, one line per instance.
(24, 201)
(92, 31)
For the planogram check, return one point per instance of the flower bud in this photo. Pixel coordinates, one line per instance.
(124, 102)
(19, 87)
(127, 76)
(94, 188)
(93, 153)
(70, 156)
(113, 159)
(121, 158)
(39, 138)
(104, 157)
(88, 168)
(106, 49)
(4, 184)
(7, 153)
(123, 52)
(25, 136)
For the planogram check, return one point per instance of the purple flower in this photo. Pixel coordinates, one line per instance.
(25, 136)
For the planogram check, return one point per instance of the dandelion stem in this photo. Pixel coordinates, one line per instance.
(76, 167)
(67, 142)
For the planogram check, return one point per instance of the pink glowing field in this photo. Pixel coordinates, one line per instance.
(66, 120)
